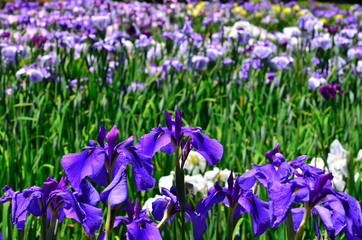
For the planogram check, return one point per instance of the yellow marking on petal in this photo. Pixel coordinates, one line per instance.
(90, 151)
(159, 135)
(296, 189)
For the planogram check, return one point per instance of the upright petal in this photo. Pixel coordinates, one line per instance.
(116, 192)
(111, 140)
(168, 121)
(270, 155)
(101, 135)
(178, 124)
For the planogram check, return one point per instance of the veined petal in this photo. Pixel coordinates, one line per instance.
(156, 140)
(247, 180)
(209, 148)
(87, 163)
(142, 168)
(198, 224)
(159, 207)
(259, 213)
(94, 218)
(297, 216)
(143, 231)
(282, 197)
(332, 220)
(116, 192)
(89, 195)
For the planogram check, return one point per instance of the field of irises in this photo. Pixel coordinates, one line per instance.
(198, 120)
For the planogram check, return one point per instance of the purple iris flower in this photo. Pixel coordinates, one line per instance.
(283, 61)
(82, 206)
(19, 206)
(170, 206)
(174, 62)
(199, 62)
(163, 138)
(97, 162)
(101, 22)
(262, 52)
(315, 81)
(330, 90)
(353, 215)
(12, 51)
(187, 28)
(337, 210)
(355, 52)
(143, 42)
(241, 200)
(139, 226)
(278, 170)
(35, 200)
(322, 41)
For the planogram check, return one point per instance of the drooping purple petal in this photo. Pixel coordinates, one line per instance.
(142, 168)
(259, 212)
(154, 141)
(87, 163)
(209, 148)
(282, 197)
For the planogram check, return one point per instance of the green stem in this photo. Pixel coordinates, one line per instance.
(109, 222)
(230, 222)
(290, 227)
(43, 231)
(50, 234)
(303, 225)
(180, 188)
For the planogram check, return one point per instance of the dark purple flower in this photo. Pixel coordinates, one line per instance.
(35, 200)
(330, 90)
(241, 200)
(107, 158)
(82, 206)
(199, 62)
(277, 171)
(139, 226)
(163, 138)
(169, 206)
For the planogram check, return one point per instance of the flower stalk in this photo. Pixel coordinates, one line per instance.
(303, 224)
(180, 188)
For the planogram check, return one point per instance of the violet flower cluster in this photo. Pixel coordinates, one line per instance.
(104, 34)
(295, 189)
